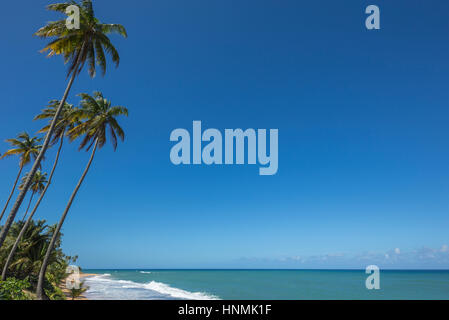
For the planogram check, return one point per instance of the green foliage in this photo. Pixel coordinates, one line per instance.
(76, 292)
(31, 250)
(30, 253)
(55, 293)
(65, 121)
(100, 119)
(37, 183)
(90, 43)
(25, 147)
(14, 289)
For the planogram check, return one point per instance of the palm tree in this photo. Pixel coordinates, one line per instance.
(35, 240)
(31, 251)
(77, 292)
(78, 46)
(38, 184)
(65, 121)
(26, 148)
(99, 118)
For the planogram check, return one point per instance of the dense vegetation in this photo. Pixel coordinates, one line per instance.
(23, 272)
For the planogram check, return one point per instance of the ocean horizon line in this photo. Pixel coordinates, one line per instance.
(267, 269)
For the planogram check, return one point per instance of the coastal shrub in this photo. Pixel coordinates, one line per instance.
(14, 289)
(55, 293)
(77, 292)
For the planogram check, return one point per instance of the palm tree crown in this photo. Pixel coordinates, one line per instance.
(99, 118)
(89, 42)
(66, 119)
(24, 146)
(37, 183)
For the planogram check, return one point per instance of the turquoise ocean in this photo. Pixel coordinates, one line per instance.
(144, 284)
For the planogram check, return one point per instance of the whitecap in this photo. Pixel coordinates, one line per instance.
(102, 287)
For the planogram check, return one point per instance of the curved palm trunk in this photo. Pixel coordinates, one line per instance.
(30, 218)
(29, 204)
(12, 192)
(39, 158)
(40, 284)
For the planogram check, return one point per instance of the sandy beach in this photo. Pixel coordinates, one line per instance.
(66, 291)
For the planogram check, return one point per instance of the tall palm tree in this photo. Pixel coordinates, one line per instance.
(26, 148)
(78, 46)
(66, 121)
(38, 184)
(99, 118)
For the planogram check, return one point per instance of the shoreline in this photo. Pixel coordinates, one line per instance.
(66, 291)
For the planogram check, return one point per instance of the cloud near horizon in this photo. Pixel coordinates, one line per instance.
(422, 258)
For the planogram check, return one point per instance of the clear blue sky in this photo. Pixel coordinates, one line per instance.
(363, 133)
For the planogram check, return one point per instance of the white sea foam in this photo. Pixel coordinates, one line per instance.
(177, 293)
(102, 287)
(144, 271)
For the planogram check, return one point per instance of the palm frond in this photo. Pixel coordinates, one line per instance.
(92, 36)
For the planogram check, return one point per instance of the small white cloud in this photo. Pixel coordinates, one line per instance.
(444, 248)
(335, 255)
(397, 251)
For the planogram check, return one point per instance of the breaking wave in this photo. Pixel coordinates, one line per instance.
(102, 287)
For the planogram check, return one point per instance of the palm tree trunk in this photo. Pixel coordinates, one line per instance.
(30, 218)
(39, 290)
(12, 192)
(28, 208)
(39, 158)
